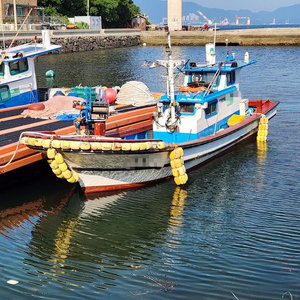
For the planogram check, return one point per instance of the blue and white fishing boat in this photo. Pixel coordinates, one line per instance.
(204, 118)
(18, 84)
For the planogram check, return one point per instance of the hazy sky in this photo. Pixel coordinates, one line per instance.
(253, 5)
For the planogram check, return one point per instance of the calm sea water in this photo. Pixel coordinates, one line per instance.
(232, 232)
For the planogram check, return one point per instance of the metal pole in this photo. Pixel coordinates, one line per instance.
(15, 15)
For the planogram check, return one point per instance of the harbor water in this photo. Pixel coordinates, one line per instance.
(232, 232)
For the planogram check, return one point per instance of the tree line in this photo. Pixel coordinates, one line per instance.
(114, 13)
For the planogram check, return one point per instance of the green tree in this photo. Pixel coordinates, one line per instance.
(68, 8)
(114, 13)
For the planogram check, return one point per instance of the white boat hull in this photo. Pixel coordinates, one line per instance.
(196, 153)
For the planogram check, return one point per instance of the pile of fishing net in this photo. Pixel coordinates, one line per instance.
(56, 106)
(135, 93)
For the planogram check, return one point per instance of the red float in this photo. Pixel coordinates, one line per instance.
(109, 95)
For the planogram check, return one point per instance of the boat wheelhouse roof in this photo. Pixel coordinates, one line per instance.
(227, 66)
(27, 50)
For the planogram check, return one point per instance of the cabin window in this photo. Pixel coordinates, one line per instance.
(212, 109)
(4, 93)
(196, 77)
(18, 66)
(230, 78)
(187, 108)
(2, 70)
(203, 76)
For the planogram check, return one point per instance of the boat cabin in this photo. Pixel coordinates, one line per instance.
(209, 97)
(17, 72)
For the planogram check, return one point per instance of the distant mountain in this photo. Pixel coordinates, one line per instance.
(157, 10)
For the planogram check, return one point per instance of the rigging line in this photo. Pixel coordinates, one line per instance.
(6, 52)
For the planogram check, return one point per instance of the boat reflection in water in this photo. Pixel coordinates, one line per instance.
(73, 242)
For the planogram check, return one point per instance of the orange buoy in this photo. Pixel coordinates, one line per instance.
(36, 106)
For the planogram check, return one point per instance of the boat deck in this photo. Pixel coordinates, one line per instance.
(12, 124)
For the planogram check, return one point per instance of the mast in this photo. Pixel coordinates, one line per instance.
(171, 80)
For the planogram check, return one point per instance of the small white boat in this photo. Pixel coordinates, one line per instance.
(18, 84)
(205, 118)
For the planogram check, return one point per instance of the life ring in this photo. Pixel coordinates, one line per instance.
(198, 83)
(189, 89)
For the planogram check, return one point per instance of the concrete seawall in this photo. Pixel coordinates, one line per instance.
(80, 40)
(242, 37)
(89, 40)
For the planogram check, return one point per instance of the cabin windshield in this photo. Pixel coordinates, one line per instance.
(201, 76)
(18, 66)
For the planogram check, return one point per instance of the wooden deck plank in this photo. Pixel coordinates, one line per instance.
(23, 162)
(24, 127)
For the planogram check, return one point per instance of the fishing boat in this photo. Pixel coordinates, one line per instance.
(190, 126)
(18, 85)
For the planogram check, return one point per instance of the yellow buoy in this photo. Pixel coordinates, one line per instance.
(176, 153)
(263, 126)
(142, 146)
(57, 171)
(181, 179)
(51, 153)
(176, 163)
(38, 142)
(54, 164)
(161, 145)
(264, 120)
(85, 146)
(96, 146)
(31, 141)
(148, 145)
(24, 140)
(59, 158)
(55, 144)
(126, 147)
(67, 174)
(63, 167)
(135, 147)
(46, 144)
(106, 146)
(71, 179)
(116, 146)
(75, 145)
(65, 145)
(178, 171)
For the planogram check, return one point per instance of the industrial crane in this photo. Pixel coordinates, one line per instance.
(237, 19)
(209, 22)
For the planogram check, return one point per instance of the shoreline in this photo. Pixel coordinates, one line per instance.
(91, 40)
(238, 37)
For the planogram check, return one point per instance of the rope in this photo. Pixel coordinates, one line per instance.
(12, 158)
(6, 52)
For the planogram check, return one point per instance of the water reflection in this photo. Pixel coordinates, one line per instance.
(98, 241)
(177, 207)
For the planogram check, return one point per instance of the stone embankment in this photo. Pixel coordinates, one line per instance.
(242, 37)
(89, 40)
(80, 40)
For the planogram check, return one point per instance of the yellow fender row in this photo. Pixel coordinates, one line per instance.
(262, 129)
(90, 146)
(59, 167)
(177, 164)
